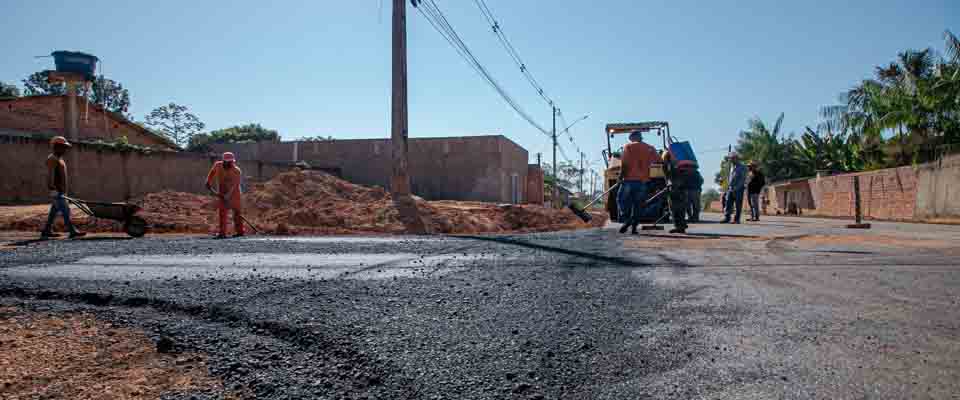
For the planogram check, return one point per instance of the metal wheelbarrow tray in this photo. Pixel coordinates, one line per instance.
(122, 212)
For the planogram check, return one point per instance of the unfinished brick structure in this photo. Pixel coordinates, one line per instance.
(478, 168)
(45, 115)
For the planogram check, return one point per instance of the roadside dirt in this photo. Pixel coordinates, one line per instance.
(78, 357)
(316, 203)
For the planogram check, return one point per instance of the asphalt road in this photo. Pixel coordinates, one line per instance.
(789, 308)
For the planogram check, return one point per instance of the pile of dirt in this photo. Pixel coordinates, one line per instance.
(79, 357)
(316, 203)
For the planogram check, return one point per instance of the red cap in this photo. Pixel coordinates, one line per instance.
(228, 156)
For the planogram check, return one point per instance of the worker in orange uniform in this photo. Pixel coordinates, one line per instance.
(227, 175)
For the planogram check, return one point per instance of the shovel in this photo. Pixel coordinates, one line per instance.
(582, 213)
(224, 200)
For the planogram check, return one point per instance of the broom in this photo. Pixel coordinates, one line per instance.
(582, 213)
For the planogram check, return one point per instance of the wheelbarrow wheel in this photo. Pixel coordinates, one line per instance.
(135, 226)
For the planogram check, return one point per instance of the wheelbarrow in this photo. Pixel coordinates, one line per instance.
(122, 212)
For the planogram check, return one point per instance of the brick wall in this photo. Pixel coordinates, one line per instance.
(888, 194)
(479, 168)
(534, 184)
(97, 174)
(45, 114)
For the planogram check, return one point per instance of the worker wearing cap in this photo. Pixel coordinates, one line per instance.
(227, 176)
(736, 183)
(682, 175)
(635, 165)
(57, 185)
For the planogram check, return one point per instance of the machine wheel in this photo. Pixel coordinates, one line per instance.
(135, 226)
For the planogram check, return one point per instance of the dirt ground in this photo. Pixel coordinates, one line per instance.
(312, 203)
(78, 357)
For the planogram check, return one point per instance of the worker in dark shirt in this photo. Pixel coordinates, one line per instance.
(754, 188)
(57, 185)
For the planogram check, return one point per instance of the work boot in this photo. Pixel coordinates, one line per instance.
(623, 229)
(678, 230)
(49, 235)
(634, 231)
(77, 234)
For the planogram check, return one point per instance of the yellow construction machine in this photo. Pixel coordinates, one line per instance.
(611, 175)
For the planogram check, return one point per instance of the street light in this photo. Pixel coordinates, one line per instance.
(574, 123)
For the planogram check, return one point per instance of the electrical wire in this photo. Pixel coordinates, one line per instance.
(512, 51)
(432, 13)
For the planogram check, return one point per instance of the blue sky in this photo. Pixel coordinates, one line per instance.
(311, 68)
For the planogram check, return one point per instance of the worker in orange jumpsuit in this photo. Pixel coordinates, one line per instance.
(227, 175)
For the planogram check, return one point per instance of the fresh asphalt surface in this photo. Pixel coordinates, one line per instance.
(789, 308)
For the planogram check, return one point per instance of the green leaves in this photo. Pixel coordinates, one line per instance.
(175, 122)
(249, 133)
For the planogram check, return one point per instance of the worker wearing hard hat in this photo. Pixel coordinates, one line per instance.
(227, 176)
(635, 175)
(736, 183)
(57, 185)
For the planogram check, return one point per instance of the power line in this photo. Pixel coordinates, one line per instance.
(432, 13)
(498, 31)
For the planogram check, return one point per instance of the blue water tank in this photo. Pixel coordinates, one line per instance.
(76, 62)
(683, 152)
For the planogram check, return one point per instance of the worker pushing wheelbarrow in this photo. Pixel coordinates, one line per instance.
(57, 184)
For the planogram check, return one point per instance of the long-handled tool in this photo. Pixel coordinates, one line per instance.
(582, 213)
(656, 224)
(224, 200)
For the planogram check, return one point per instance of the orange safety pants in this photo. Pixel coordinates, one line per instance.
(237, 220)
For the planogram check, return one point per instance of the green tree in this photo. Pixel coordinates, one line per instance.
(176, 122)
(110, 95)
(914, 101)
(9, 90)
(568, 175)
(770, 149)
(709, 196)
(37, 85)
(249, 133)
(102, 91)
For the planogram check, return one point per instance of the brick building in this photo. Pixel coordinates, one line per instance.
(477, 168)
(45, 115)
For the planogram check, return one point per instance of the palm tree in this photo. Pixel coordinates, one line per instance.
(770, 149)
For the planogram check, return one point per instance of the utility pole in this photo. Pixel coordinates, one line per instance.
(400, 181)
(556, 178)
(581, 171)
(539, 164)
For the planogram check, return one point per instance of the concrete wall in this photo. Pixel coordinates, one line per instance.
(105, 175)
(938, 189)
(45, 115)
(480, 168)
